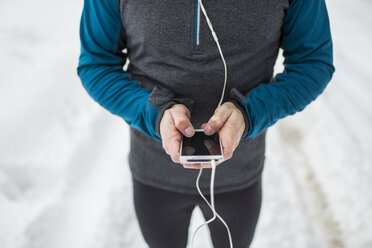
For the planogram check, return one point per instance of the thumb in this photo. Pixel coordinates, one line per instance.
(181, 118)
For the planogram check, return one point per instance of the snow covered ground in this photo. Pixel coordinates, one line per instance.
(64, 179)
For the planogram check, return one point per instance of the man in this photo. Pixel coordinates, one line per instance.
(173, 85)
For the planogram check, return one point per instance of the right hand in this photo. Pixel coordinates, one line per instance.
(174, 123)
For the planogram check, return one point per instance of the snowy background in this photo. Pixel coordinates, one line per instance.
(64, 178)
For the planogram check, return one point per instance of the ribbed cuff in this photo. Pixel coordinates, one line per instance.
(236, 97)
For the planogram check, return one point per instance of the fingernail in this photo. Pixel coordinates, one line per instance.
(208, 129)
(189, 131)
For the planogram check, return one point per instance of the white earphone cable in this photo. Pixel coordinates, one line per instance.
(211, 204)
(219, 49)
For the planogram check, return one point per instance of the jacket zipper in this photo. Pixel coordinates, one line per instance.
(197, 23)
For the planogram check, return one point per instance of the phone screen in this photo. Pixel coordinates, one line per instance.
(201, 144)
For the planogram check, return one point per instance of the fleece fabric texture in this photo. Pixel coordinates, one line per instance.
(167, 67)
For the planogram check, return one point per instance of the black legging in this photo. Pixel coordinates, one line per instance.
(164, 216)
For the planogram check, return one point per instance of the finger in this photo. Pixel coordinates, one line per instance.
(228, 141)
(171, 137)
(197, 166)
(174, 147)
(231, 133)
(217, 121)
(181, 117)
(167, 129)
(240, 124)
(237, 124)
(191, 166)
(203, 125)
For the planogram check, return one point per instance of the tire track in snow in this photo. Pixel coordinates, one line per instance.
(326, 228)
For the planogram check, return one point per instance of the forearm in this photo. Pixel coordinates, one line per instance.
(307, 45)
(114, 91)
(101, 71)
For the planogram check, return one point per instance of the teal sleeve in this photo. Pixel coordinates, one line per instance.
(101, 68)
(307, 45)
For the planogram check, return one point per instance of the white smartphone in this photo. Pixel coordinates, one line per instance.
(201, 148)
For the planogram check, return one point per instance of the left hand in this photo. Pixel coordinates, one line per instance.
(229, 121)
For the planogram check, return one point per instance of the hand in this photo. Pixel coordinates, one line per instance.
(174, 123)
(229, 121)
